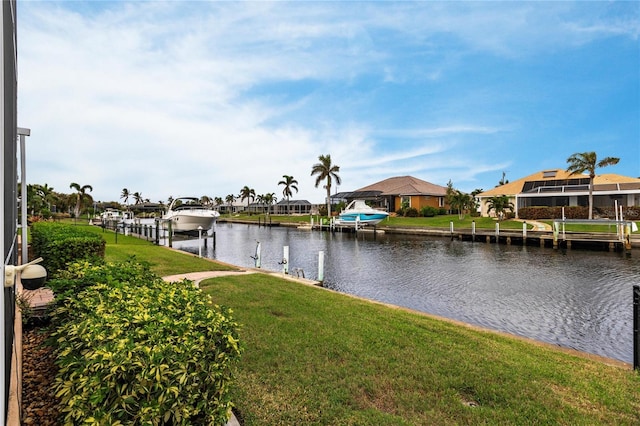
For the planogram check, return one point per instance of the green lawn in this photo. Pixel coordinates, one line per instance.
(316, 357)
(163, 261)
(441, 221)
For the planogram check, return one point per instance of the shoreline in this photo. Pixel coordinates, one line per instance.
(542, 238)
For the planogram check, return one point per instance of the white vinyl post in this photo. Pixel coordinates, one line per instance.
(257, 257)
(23, 198)
(285, 260)
(321, 266)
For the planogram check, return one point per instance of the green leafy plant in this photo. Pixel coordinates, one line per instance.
(60, 244)
(133, 349)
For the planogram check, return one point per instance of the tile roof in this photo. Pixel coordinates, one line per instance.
(517, 186)
(405, 185)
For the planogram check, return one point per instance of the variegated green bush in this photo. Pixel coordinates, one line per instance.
(60, 244)
(143, 352)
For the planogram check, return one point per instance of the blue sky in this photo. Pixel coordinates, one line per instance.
(202, 98)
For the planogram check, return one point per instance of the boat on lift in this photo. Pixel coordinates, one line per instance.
(188, 215)
(358, 213)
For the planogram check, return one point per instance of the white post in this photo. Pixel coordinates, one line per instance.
(524, 229)
(23, 199)
(497, 229)
(321, 266)
(285, 260)
(199, 241)
(473, 228)
(451, 227)
(257, 257)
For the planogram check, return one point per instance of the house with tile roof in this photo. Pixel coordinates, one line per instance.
(558, 188)
(391, 193)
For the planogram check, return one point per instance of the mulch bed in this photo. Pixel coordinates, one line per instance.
(39, 403)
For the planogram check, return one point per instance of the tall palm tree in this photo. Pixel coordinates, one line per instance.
(81, 195)
(125, 195)
(289, 183)
(588, 162)
(325, 170)
(248, 194)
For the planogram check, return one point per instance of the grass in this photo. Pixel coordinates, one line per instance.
(163, 261)
(318, 357)
(441, 221)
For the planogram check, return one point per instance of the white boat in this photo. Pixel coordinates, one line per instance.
(358, 213)
(187, 214)
(113, 215)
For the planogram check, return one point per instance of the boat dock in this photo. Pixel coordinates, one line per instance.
(558, 238)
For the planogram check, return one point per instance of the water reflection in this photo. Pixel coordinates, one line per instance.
(576, 299)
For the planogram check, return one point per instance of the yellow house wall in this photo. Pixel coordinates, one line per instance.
(419, 201)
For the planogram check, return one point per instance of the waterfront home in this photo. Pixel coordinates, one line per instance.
(392, 193)
(558, 188)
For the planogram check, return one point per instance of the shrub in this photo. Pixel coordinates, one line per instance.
(542, 212)
(60, 244)
(411, 212)
(428, 211)
(133, 349)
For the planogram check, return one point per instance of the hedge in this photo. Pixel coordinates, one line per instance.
(60, 244)
(133, 349)
(575, 212)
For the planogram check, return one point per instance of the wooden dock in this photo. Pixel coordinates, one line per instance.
(601, 241)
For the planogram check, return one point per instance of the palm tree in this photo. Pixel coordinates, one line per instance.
(260, 200)
(137, 197)
(248, 194)
(504, 180)
(499, 203)
(587, 162)
(289, 183)
(125, 195)
(47, 194)
(269, 199)
(229, 200)
(81, 195)
(325, 170)
(461, 201)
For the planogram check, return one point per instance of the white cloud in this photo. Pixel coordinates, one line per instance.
(195, 98)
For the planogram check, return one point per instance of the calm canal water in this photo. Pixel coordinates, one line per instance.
(577, 299)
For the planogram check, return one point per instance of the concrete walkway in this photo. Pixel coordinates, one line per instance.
(537, 226)
(196, 277)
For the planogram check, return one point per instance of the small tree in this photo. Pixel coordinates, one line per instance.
(81, 195)
(461, 201)
(499, 204)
